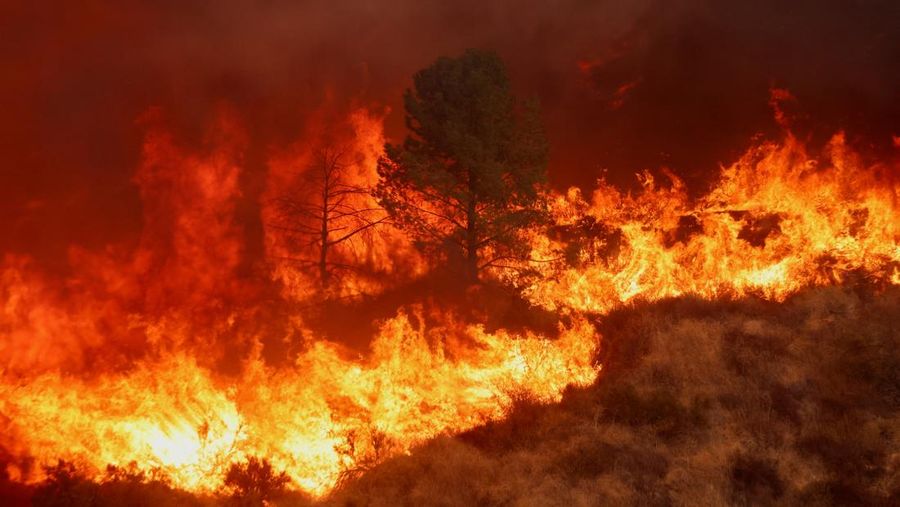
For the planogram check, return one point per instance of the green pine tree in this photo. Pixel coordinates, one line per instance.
(467, 178)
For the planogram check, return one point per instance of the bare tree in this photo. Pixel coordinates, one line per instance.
(326, 209)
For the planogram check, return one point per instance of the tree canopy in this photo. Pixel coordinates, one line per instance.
(467, 178)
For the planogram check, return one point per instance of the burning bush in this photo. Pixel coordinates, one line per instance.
(254, 482)
(66, 486)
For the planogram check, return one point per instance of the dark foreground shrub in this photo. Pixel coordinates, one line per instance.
(255, 482)
(66, 486)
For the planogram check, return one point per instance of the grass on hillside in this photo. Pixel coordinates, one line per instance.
(740, 403)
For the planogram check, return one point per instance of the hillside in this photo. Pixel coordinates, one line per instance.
(744, 402)
(699, 403)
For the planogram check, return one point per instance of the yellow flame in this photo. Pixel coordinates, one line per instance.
(776, 222)
(317, 420)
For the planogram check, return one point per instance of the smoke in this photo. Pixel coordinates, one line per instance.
(624, 86)
(686, 86)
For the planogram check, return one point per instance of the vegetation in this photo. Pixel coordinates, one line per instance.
(465, 181)
(65, 486)
(700, 403)
(324, 211)
(729, 402)
(254, 482)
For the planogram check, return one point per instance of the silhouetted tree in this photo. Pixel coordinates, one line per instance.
(326, 209)
(466, 179)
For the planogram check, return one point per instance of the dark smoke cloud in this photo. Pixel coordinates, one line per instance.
(624, 85)
(686, 86)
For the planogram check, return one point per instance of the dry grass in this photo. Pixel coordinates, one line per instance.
(700, 403)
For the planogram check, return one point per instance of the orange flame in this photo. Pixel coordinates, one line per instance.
(325, 416)
(122, 361)
(777, 221)
(387, 253)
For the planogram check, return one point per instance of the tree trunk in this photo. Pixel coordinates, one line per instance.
(323, 251)
(471, 234)
(323, 263)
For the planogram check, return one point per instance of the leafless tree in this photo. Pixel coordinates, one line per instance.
(325, 209)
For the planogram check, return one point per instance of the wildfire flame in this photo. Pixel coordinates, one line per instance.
(778, 220)
(324, 416)
(117, 364)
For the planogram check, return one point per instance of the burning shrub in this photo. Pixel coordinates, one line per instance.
(255, 482)
(66, 486)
